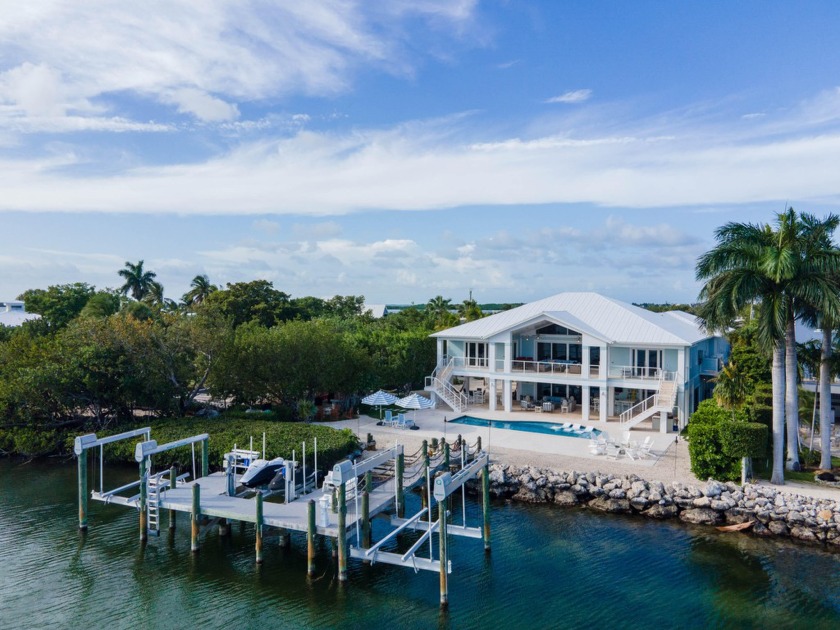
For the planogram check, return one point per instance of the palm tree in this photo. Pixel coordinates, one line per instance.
(735, 277)
(137, 281)
(786, 269)
(730, 388)
(806, 261)
(200, 288)
(470, 310)
(155, 297)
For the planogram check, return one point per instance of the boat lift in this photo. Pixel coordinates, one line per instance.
(216, 496)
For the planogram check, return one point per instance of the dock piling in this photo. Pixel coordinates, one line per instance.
(444, 556)
(366, 530)
(445, 455)
(195, 516)
(173, 482)
(310, 539)
(258, 546)
(342, 532)
(83, 489)
(485, 506)
(205, 457)
(400, 490)
(144, 490)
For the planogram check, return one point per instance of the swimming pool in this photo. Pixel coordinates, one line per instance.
(548, 428)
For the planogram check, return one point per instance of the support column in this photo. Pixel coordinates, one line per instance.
(485, 506)
(508, 357)
(424, 499)
(173, 481)
(310, 539)
(491, 393)
(342, 533)
(602, 406)
(258, 545)
(584, 361)
(663, 422)
(491, 357)
(83, 489)
(400, 473)
(584, 402)
(195, 516)
(506, 394)
(144, 499)
(446, 456)
(366, 529)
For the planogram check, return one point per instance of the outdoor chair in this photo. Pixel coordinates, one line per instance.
(613, 451)
(389, 418)
(597, 447)
(644, 449)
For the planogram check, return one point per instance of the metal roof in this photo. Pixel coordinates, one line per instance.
(610, 320)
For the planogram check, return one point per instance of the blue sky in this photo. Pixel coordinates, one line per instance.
(407, 149)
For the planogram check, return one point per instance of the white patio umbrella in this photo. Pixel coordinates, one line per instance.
(415, 401)
(377, 399)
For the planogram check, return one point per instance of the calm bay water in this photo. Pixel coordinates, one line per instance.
(549, 568)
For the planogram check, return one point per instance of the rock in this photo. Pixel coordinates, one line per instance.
(713, 489)
(795, 518)
(701, 516)
(759, 529)
(721, 506)
(497, 476)
(825, 515)
(778, 528)
(618, 493)
(565, 498)
(738, 515)
(684, 502)
(702, 502)
(661, 511)
(639, 503)
(803, 533)
(613, 506)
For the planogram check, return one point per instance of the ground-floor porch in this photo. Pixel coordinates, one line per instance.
(582, 403)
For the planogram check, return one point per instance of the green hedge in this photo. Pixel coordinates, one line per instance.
(281, 439)
(743, 439)
(705, 443)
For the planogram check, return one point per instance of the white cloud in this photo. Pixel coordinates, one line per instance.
(573, 96)
(202, 58)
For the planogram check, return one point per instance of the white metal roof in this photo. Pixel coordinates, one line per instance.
(607, 319)
(16, 318)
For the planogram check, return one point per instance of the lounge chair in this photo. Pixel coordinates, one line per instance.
(567, 426)
(613, 450)
(596, 447)
(405, 422)
(389, 418)
(644, 449)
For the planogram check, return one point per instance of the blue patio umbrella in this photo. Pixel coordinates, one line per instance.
(415, 401)
(377, 399)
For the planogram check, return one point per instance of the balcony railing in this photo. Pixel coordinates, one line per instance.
(635, 372)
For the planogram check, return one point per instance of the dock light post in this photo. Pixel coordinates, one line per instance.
(258, 545)
(83, 491)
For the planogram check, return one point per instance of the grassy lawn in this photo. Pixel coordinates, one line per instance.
(807, 475)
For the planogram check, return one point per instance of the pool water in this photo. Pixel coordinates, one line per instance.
(548, 428)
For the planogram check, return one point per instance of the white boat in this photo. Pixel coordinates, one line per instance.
(262, 471)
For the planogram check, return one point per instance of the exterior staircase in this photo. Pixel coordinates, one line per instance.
(440, 383)
(663, 400)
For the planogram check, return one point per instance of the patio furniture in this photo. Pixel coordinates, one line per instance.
(613, 450)
(389, 418)
(597, 447)
(644, 449)
(564, 406)
(548, 406)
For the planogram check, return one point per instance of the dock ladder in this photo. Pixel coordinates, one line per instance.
(153, 502)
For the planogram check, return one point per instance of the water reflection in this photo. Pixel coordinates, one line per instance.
(549, 567)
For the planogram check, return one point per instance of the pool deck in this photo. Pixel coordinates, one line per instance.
(432, 425)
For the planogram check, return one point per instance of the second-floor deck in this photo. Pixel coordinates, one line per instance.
(527, 365)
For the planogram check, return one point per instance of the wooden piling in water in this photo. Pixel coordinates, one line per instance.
(485, 506)
(224, 528)
(284, 538)
(258, 545)
(144, 499)
(173, 481)
(400, 473)
(366, 529)
(205, 458)
(446, 455)
(195, 515)
(83, 489)
(342, 533)
(310, 539)
(444, 556)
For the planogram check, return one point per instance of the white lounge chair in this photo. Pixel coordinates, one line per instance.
(613, 450)
(644, 449)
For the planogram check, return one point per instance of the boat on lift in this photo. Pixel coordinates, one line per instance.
(262, 471)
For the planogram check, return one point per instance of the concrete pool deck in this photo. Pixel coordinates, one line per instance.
(523, 448)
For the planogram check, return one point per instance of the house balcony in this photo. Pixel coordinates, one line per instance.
(523, 365)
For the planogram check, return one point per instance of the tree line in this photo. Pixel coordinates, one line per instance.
(100, 356)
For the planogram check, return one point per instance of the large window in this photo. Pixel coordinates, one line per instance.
(572, 352)
(476, 354)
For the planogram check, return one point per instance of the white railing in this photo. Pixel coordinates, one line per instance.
(547, 367)
(659, 401)
(439, 382)
(634, 372)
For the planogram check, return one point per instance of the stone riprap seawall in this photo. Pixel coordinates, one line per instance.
(776, 513)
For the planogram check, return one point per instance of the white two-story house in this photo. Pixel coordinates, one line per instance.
(589, 353)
